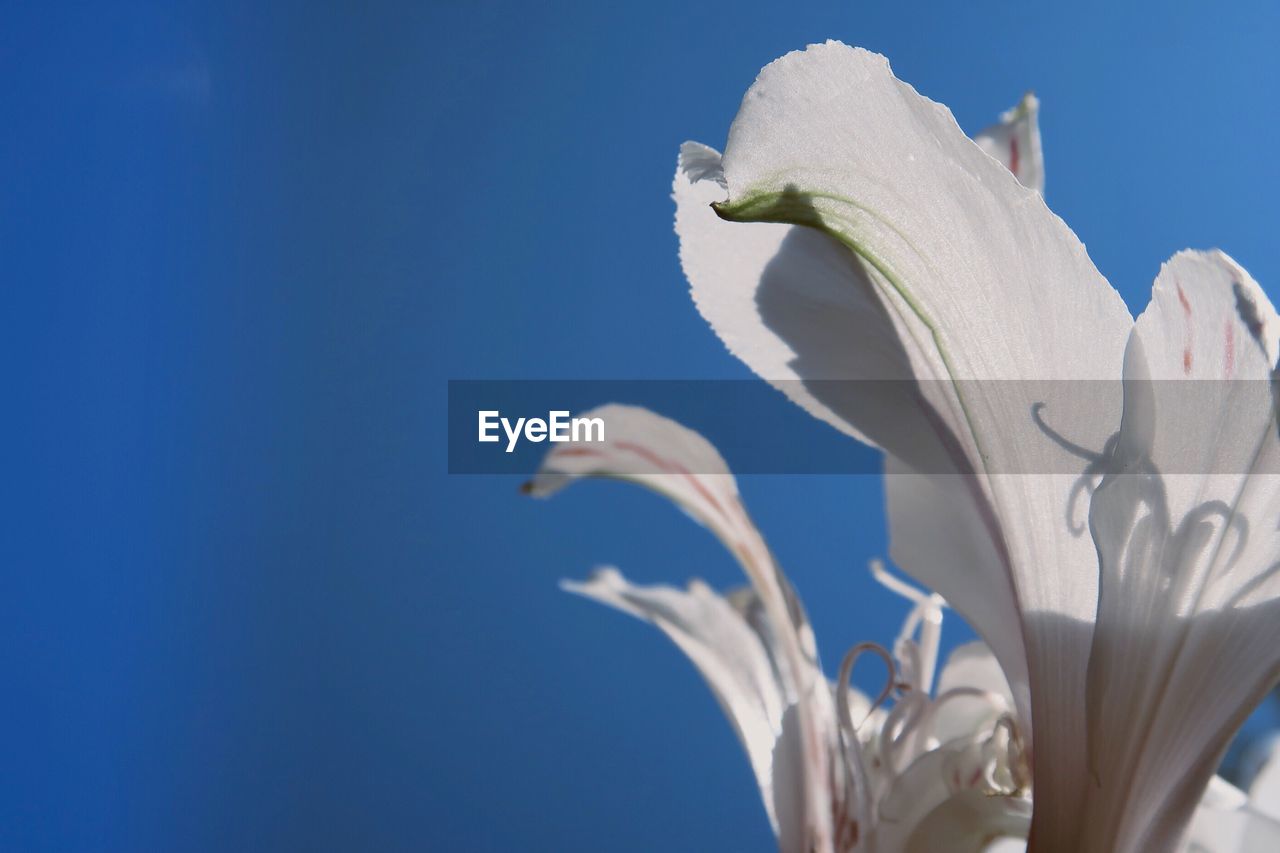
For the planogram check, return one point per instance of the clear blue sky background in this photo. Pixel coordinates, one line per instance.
(243, 607)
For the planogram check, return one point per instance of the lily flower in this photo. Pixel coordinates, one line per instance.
(837, 772)
(1119, 556)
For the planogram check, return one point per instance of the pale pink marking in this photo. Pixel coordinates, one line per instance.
(740, 548)
(975, 777)
(576, 451)
(653, 459)
(1186, 349)
(1230, 354)
(1013, 154)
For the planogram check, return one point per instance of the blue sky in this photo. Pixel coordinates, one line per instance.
(244, 606)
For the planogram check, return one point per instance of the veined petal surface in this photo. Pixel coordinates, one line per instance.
(1187, 639)
(938, 535)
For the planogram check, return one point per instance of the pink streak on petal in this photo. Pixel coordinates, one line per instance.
(1230, 353)
(1186, 349)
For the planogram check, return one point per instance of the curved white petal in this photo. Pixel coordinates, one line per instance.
(671, 459)
(802, 310)
(980, 282)
(973, 665)
(940, 803)
(972, 668)
(1187, 638)
(735, 659)
(1015, 142)
(799, 309)
(827, 137)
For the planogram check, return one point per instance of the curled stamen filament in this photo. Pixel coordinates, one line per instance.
(1014, 753)
(843, 685)
(899, 726)
(855, 770)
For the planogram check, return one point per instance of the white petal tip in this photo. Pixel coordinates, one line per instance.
(698, 162)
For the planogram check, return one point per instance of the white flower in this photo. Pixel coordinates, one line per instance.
(1118, 555)
(836, 771)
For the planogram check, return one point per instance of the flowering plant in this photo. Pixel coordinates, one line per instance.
(1123, 573)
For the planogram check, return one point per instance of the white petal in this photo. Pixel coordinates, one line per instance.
(972, 821)
(973, 665)
(1222, 795)
(1015, 142)
(932, 807)
(735, 660)
(1187, 639)
(828, 137)
(970, 667)
(799, 309)
(1264, 790)
(982, 282)
(1226, 822)
(938, 537)
(675, 461)
(660, 454)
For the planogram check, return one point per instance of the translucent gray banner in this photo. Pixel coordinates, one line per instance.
(1002, 426)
